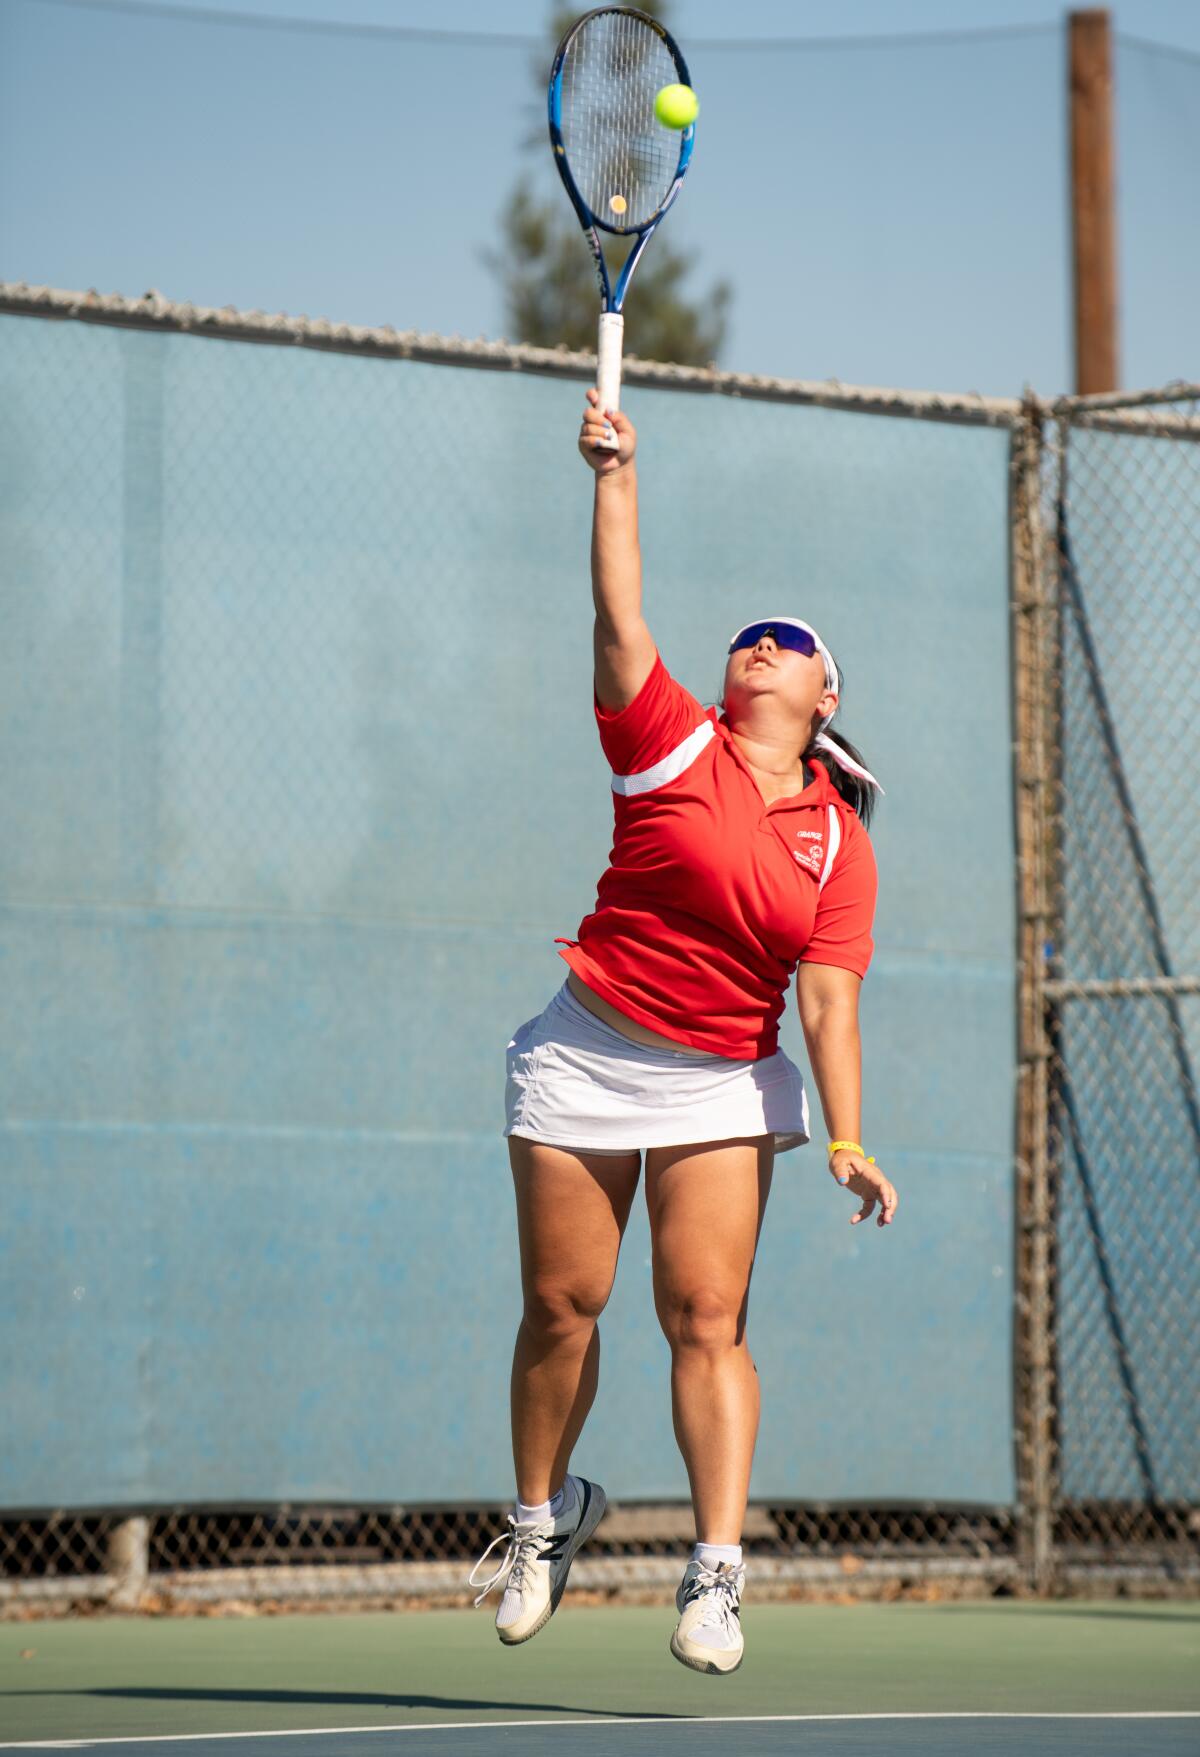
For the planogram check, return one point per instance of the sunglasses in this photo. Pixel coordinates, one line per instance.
(797, 640)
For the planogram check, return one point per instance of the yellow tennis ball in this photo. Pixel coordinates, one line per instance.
(677, 106)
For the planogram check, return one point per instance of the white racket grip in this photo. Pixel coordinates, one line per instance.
(608, 366)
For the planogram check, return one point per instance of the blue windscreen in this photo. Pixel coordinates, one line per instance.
(303, 781)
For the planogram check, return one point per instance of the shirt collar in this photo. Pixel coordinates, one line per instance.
(820, 790)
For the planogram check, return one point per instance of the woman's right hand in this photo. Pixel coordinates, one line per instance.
(864, 1179)
(597, 425)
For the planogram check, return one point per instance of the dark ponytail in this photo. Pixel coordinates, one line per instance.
(856, 793)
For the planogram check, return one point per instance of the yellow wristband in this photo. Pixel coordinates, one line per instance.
(853, 1146)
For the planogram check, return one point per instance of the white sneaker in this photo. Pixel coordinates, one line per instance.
(538, 1559)
(709, 1634)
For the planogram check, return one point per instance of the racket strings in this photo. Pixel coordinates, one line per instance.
(622, 158)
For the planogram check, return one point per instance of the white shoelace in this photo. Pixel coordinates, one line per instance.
(525, 1545)
(720, 1588)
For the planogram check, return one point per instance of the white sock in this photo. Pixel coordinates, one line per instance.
(533, 1515)
(713, 1553)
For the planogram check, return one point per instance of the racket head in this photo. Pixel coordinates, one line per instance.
(621, 166)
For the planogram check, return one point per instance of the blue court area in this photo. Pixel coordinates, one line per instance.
(991, 1677)
(846, 1736)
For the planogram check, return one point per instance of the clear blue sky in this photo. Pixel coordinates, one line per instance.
(887, 214)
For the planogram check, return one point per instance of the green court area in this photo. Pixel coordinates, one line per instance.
(124, 1677)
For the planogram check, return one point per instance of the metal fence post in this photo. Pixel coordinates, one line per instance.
(128, 1561)
(1033, 1339)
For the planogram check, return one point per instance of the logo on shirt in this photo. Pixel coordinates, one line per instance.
(812, 855)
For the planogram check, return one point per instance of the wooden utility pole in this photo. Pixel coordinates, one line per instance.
(1093, 216)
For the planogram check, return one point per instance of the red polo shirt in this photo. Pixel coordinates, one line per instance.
(711, 898)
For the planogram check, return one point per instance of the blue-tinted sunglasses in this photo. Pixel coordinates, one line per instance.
(798, 640)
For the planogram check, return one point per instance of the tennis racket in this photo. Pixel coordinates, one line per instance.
(619, 164)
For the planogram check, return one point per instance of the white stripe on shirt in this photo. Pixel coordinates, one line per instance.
(832, 846)
(671, 766)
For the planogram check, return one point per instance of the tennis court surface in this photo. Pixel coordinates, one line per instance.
(1065, 1678)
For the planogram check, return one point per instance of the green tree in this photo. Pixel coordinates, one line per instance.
(549, 282)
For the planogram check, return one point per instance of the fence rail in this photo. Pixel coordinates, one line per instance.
(153, 312)
(1121, 986)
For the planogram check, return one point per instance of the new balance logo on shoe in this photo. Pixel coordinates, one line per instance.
(534, 1570)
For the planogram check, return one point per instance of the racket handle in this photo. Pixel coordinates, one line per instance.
(608, 367)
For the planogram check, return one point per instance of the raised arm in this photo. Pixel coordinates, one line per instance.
(624, 646)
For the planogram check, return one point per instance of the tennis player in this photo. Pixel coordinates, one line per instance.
(740, 856)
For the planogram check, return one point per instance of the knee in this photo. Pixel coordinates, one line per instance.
(706, 1319)
(557, 1312)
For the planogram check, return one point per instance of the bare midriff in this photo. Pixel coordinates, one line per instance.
(587, 997)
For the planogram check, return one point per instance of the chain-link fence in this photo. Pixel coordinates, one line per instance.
(1105, 562)
(178, 1561)
(1123, 984)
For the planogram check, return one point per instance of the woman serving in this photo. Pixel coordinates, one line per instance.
(740, 856)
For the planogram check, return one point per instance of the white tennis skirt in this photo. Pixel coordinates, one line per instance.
(575, 1081)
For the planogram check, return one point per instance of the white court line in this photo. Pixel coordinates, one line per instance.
(451, 1726)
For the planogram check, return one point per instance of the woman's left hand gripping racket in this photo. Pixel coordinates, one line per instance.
(621, 166)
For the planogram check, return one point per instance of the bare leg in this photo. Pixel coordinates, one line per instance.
(706, 1206)
(571, 1215)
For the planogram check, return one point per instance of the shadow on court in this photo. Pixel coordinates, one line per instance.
(345, 1699)
(1134, 1613)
